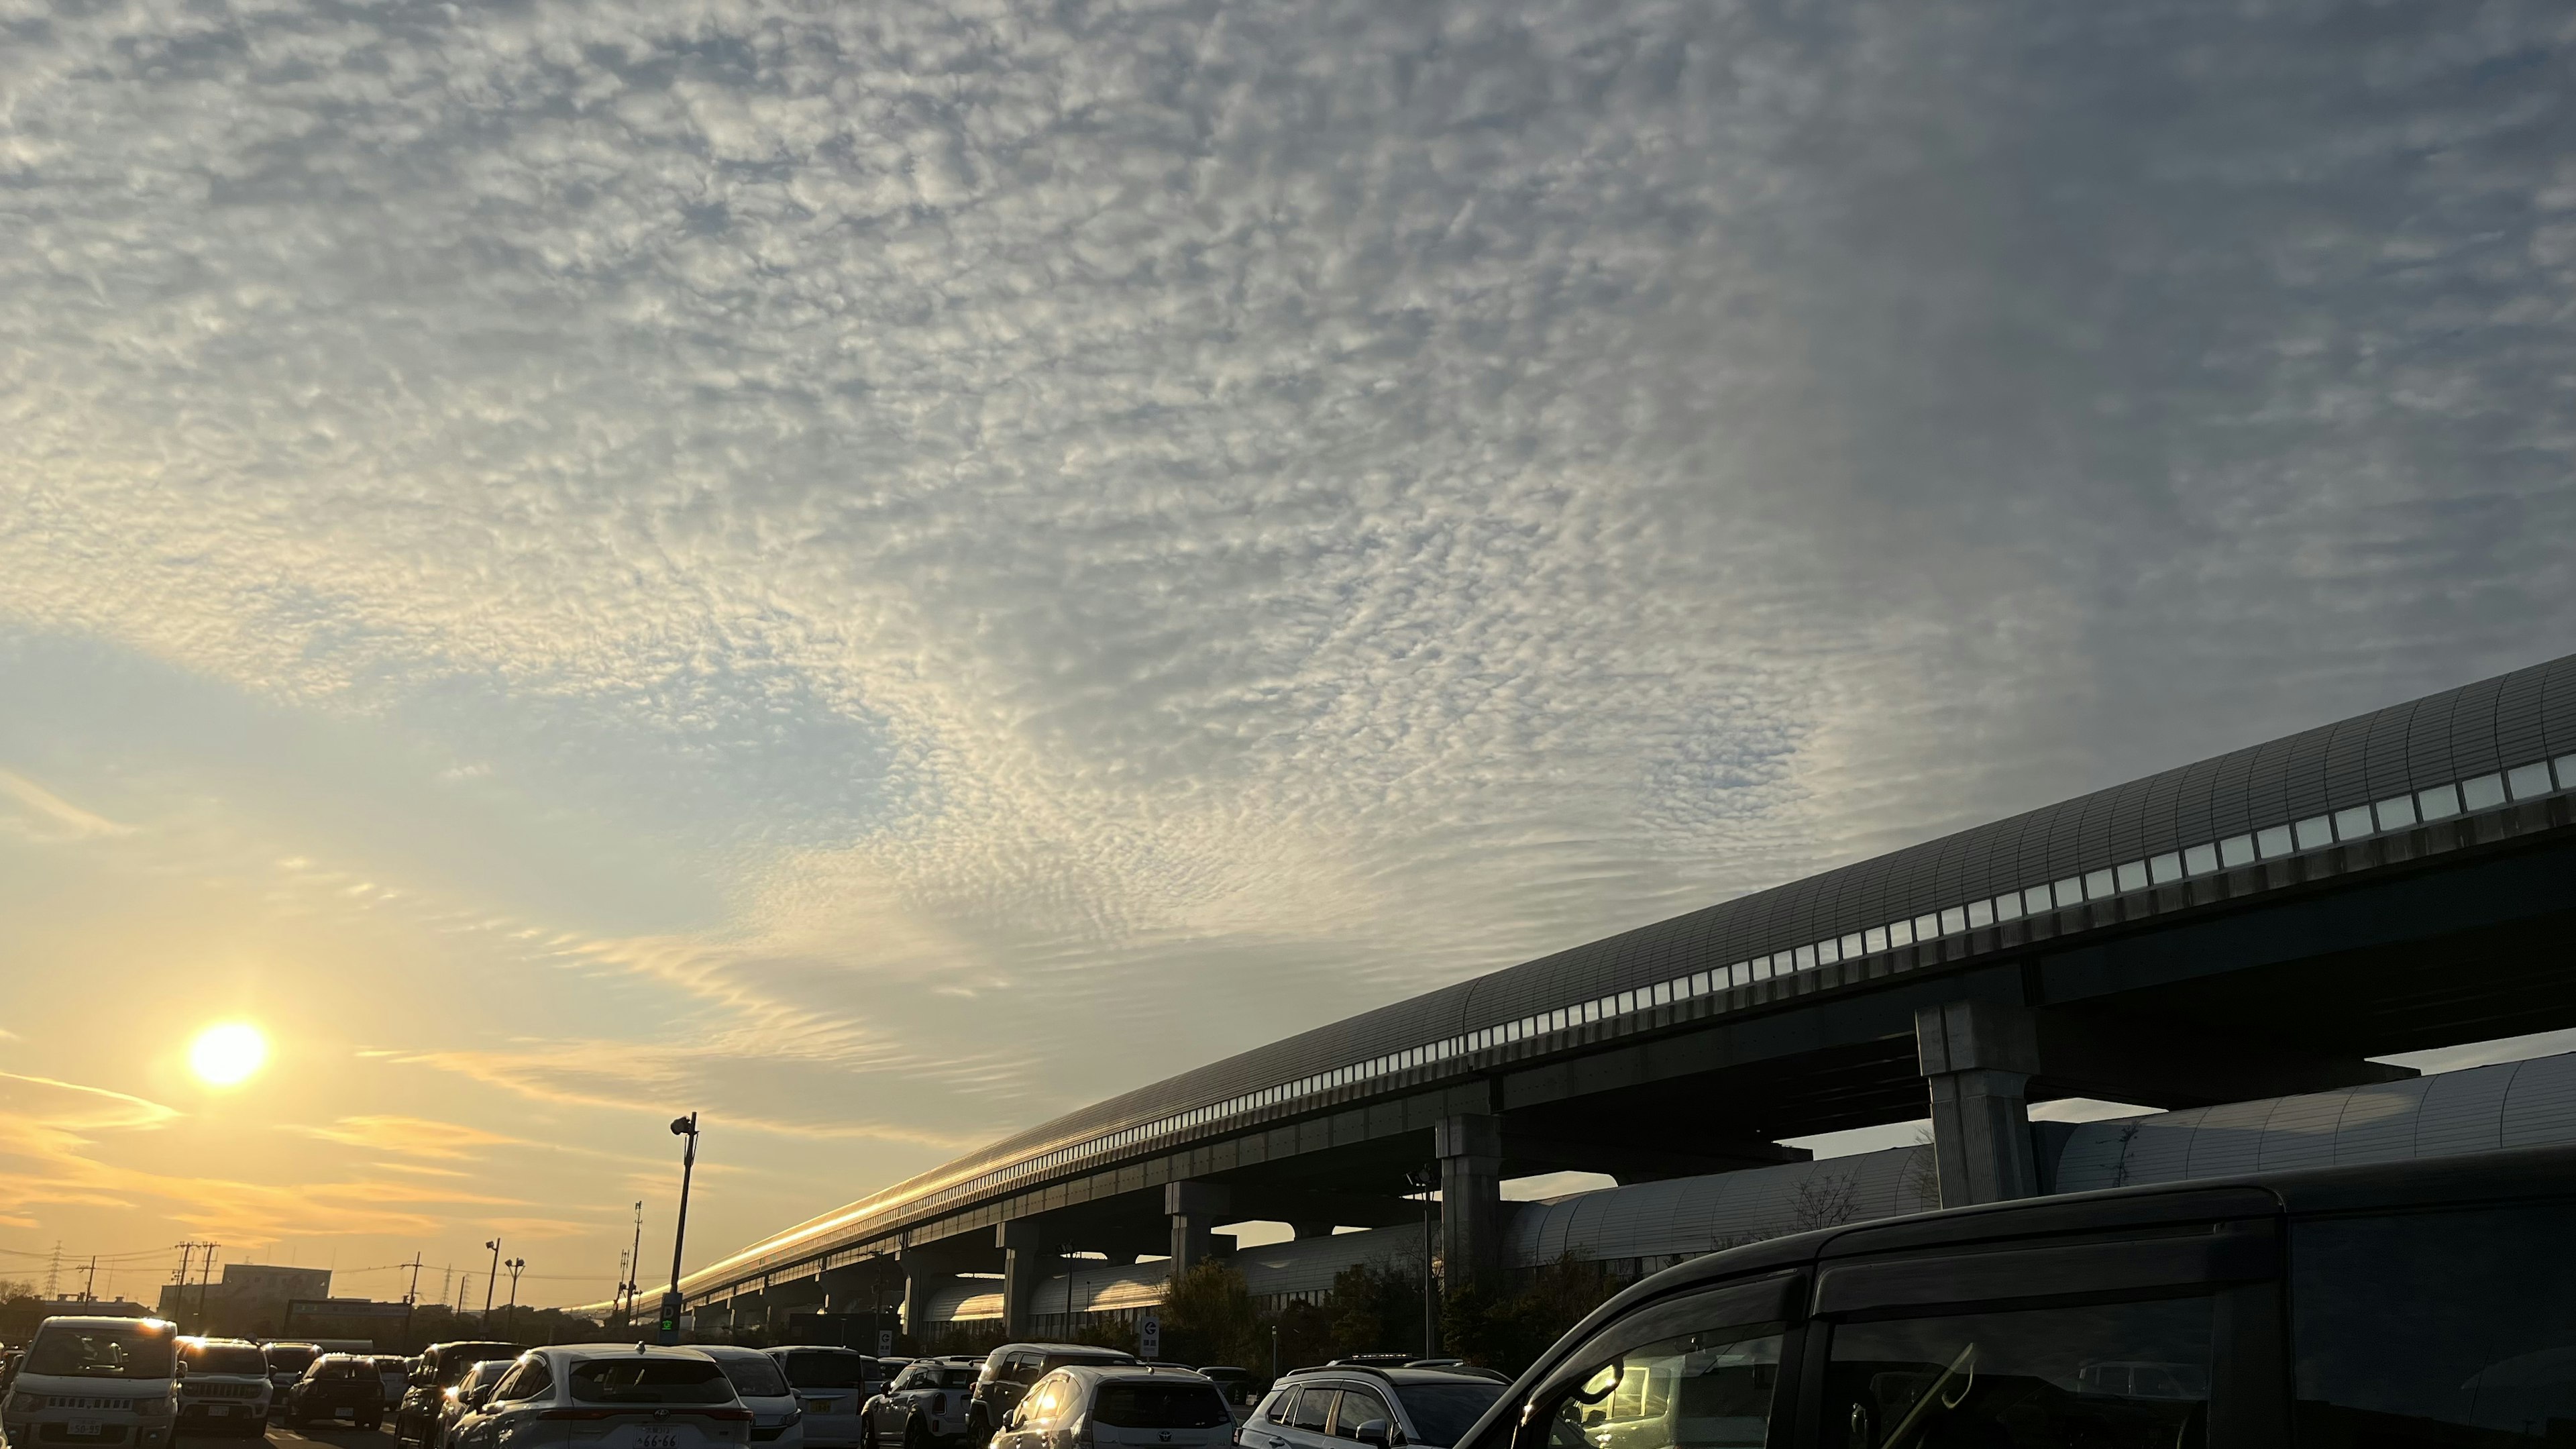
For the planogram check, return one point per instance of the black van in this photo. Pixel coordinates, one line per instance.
(2426, 1303)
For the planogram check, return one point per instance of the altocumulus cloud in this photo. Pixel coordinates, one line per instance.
(1300, 499)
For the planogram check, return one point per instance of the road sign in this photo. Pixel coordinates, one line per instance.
(885, 1343)
(670, 1325)
(1149, 1337)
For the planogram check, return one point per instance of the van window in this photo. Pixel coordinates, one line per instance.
(135, 1350)
(823, 1370)
(2435, 1328)
(2039, 1378)
(1709, 1390)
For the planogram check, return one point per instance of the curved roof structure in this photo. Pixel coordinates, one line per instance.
(2462, 751)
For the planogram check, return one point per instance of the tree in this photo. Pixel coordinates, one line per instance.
(1209, 1318)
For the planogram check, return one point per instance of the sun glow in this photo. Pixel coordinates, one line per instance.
(228, 1054)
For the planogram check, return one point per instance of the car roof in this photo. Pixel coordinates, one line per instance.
(1058, 1348)
(1106, 1372)
(585, 1352)
(815, 1348)
(721, 1351)
(1393, 1375)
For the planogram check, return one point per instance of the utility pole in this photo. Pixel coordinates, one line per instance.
(617, 1299)
(411, 1299)
(187, 1250)
(89, 1281)
(205, 1281)
(671, 1301)
(634, 1265)
(495, 1246)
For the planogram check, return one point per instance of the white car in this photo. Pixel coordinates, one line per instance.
(926, 1404)
(224, 1386)
(609, 1396)
(394, 1371)
(1117, 1405)
(775, 1418)
(95, 1381)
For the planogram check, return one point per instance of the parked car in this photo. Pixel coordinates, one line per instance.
(1364, 1404)
(95, 1381)
(1009, 1371)
(439, 1367)
(287, 1361)
(762, 1387)
(467, 1394)
(336, 1386)
(224, 1386)
(1235, 1383)
(925, 1404)
(830, 1383)
(2409, 1303)
(394, 1372)
(613, 1397)
(1119, 1406)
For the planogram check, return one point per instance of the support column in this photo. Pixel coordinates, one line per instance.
(1470, 1148)
(922, 1276)
(1194, 1208)
(1978, 1058)
(1026, 1256)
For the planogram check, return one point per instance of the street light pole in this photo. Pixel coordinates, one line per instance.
(510, 1315)
(1426, 1179)
(495, 1246)
(680, 1127)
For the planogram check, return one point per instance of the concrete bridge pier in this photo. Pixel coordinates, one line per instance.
(1470, 1148)
(1978, 1057)
(1194, 1208)
(1028, 1255)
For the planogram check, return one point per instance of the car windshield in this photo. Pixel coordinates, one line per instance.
(343, 1368)
(951, 1377)
(465, 1356)
(224, 1358)
(650, 1381)
(754, 1376)
(824, 1370)
(290, 1357)
(1055, 1361)
(484, 1374)
(1160, 1406)
(1442, 1413)
(136, 1350)
(387, 1364)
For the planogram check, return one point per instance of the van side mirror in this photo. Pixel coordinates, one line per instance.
(1375, 1431)
(178, 1368)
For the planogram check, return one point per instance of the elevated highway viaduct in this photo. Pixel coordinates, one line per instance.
(2253, 925)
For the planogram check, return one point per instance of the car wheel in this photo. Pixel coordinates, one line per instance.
(913, 1437)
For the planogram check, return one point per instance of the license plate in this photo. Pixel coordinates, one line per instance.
(221, 1409)
(81, 1426)
(657, 1439)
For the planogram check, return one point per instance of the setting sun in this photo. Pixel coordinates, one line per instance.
(228, 1054)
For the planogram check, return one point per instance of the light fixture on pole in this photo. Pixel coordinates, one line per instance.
(511, 1314)
(495, 1246)
(1423, 1180)
(680, 1127)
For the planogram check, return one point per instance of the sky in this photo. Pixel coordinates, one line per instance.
(882, 572)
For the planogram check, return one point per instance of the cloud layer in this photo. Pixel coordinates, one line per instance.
(907, 566)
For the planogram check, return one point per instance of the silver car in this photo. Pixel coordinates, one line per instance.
(830, 1384)
(1341, 1406)
(775, 1418)
(1120, 1406)
(926, 1404)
